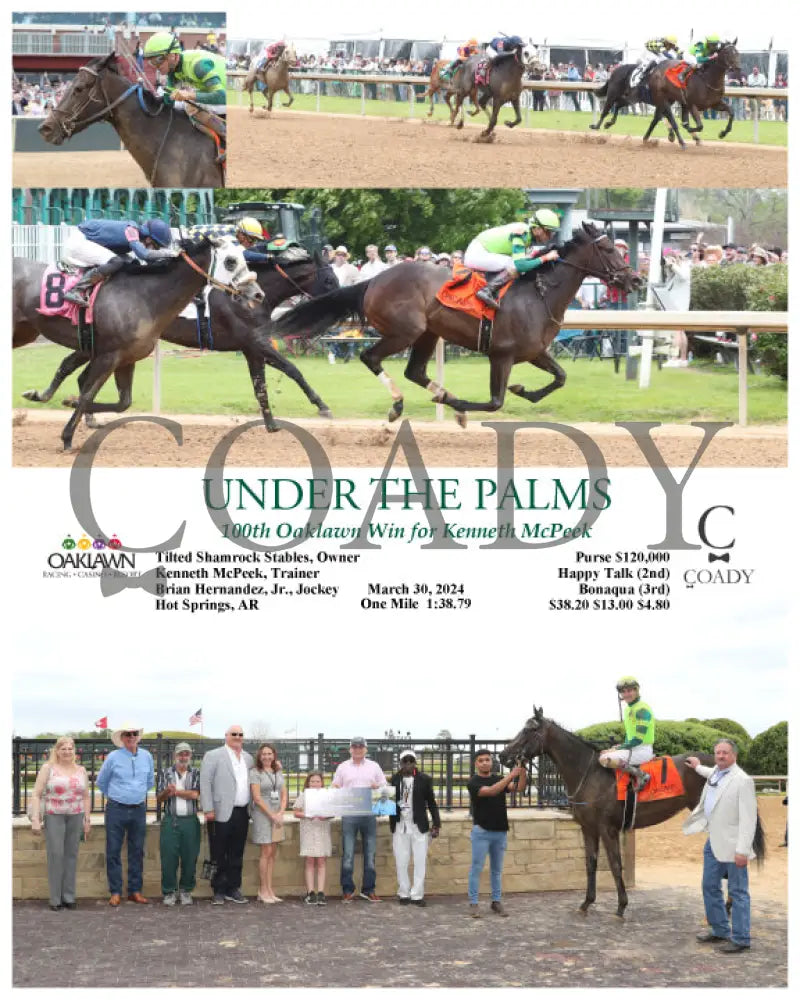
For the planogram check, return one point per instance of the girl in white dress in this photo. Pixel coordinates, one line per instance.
(315, 843)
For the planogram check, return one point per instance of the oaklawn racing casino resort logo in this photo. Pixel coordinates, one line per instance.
(88, 557)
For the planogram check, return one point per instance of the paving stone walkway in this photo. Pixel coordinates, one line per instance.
(543, 942)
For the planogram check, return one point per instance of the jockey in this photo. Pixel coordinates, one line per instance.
(503, 44)
(106, 244)
(512, 250)
(640, 734)
(660, 50)
(701, 52)
(470, 48)
(270, 54)
(248, 232)
(196, 81)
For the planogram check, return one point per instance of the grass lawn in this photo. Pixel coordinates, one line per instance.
(769, 133)
(219, 384)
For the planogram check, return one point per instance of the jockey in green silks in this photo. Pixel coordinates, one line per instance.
(640, 734)
(196, 82)
(512, 250)
(701, 52)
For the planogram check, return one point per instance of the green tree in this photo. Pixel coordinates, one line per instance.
(733, 729)
(441, 218)
(671, 737)
(769, 751)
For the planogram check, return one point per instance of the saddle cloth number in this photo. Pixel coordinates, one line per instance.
(55, 286)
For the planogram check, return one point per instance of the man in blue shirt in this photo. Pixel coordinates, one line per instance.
(124, 779)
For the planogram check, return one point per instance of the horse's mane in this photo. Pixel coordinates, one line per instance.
(193, 244)
(587, 743)
(580, 237)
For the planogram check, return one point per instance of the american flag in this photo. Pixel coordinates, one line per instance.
(197, 717)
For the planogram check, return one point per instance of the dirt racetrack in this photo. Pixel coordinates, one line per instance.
(60, 168)
(366, 444)
(304, 149)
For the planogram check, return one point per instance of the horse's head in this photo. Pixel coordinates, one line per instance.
(728, 55)
(85, 101)
(601, 258)
(289, 56)
(229, 268)
(529, 741)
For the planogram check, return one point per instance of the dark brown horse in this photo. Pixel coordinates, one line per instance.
(401, 304)
(447, 88)
(704, 90)
(504, 86)
(274, 79)
(592, 793)
(163, 141)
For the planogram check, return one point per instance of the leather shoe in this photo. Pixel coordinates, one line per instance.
(709, 937)
(136, 897)
(115, 899)
(732, 947)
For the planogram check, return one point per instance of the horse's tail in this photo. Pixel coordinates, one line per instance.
(602, 91)
(759, 843)
(315, 316)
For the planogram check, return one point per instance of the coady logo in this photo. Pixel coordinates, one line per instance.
(710, 535)
(91, 553)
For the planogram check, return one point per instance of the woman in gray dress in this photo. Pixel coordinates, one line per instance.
(269, 797)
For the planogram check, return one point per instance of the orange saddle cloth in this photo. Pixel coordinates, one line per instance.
(459, 293)
(672, 74)
(665, 781)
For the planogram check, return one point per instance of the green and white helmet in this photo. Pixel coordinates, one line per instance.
(546, 218)
(161, 44)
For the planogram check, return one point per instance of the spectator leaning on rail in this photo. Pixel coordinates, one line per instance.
(196, 81)
(61, 794)
(512, 250)
(104, 245)
(125, 779)
(178, 792)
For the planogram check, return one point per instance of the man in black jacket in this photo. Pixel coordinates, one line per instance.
(414, 796)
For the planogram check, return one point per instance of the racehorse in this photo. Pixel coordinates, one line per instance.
(163, 141)
(401, 305)
(237, 328)
(129, 315)
(705, 89)
(447, 88)
(275, 78)
(504, 86)
(592, 793)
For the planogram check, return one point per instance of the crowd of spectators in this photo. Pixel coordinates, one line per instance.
(36, 98)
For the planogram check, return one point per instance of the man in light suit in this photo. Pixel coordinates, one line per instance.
(727, 810)
(225, 797)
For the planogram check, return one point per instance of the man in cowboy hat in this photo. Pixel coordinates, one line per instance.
(125, 779)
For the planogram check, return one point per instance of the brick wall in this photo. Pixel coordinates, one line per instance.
(545, 852)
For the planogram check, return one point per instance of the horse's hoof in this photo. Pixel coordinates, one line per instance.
(32, 394)
(272, 427)
(594, 128)
(461, 420)
(396, 411)
(70, 401)
(671, 137)
(460, 125)
(325, 412)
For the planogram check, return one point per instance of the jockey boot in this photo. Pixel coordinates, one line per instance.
(81, 290)
(214, 126)
(640, 777)
(491, 288)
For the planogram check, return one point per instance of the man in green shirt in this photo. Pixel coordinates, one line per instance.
(196, 82)
(510, 250)
(640, 734)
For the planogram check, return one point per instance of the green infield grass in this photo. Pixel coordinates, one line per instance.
(769, 133)
(210, 383)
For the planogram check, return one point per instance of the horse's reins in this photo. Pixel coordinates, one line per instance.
(607, 274)
(228, 289)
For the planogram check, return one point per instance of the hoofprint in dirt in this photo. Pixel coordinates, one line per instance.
(84, 169)
(309, 149)
(366, 444)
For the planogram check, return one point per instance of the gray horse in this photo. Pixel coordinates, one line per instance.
(130, 314)
(163, 141)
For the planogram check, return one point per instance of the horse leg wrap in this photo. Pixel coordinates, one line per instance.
(439, 393)
(389, 383)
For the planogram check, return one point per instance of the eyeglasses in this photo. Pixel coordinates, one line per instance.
(135, 733)
(236, 734)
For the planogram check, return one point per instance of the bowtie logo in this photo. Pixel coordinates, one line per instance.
(723, 557)
(113, 582)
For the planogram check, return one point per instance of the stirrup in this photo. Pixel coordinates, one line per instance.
(486, 296)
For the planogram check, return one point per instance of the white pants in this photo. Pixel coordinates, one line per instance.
(408, 843)
(478, 258)
(81, 252)
(622, 758)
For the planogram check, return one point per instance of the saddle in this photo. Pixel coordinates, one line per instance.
(460, 291)
(679, 74)
(665, 781)
(482, 72)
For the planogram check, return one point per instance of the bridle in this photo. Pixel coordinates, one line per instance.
(606, 273)
(233, 291)
(68, 122)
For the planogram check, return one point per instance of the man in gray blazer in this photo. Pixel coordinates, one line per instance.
(728, 811)
(225, 798)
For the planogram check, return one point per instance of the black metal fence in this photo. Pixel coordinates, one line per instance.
(449, 762)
